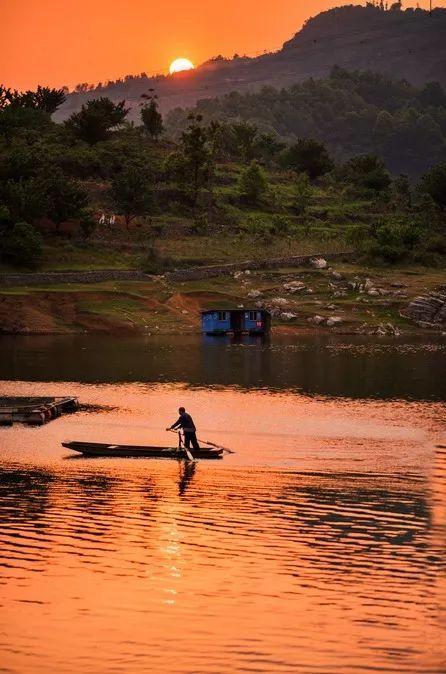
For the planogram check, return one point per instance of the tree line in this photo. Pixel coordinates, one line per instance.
(47, 171)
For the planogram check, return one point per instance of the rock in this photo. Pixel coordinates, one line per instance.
(373, 292)
(279, 301)
(240, 306)
(318, 263)
(254, 294)
(331, 307)
(367, 285)
(398, 284)
(336, 275)
(429, 309)
(294, 286)
(317, 320)
(309, 291)
(237, 274)
(247, 272)
(334, 320)
(287, 315)
(185, 311)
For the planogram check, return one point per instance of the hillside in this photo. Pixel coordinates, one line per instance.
(408, 44)
(358, 112)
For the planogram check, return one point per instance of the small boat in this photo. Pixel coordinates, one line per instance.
(90, 449)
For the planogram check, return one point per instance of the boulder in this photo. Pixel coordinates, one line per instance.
(287, 315)
(317, 320)
(336, 275)
(318, 263)
(373, 292)
(254, 294)
(429, 309)
(332, 321)
(279, 302)
(294, 286)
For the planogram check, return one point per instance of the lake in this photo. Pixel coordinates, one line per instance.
(317, 547)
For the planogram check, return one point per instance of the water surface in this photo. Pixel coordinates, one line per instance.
(318, 547)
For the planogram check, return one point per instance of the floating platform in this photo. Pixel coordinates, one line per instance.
(34, 411)
(91, 449)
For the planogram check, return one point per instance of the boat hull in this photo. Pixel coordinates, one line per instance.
(91, 449)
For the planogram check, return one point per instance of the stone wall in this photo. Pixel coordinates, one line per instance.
(196, 273)
(190, 274)
(54, 278)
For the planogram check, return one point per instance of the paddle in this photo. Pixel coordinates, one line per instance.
(212, 444)
(181, 446)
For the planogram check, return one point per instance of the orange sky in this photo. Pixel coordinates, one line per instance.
(69, 41)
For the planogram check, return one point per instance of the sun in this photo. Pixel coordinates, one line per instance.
(179, 65)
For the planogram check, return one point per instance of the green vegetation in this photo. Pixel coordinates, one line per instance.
(98, 191)
(350, 113)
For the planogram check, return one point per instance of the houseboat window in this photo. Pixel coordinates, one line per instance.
(222, 315)
(254, 315)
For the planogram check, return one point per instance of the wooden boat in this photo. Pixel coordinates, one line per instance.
(91, 449)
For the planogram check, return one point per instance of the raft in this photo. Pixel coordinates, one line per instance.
(91, 449)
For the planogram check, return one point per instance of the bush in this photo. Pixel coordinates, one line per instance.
(23, 245)
(368, 172)
(253, 183)
(434, 184)
(392, 242)
(307, 156)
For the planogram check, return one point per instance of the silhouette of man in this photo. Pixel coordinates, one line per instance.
(186, 422)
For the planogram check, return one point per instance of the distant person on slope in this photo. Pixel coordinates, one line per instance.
(186, 422)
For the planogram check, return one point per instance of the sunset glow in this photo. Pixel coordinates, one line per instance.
(179, 65)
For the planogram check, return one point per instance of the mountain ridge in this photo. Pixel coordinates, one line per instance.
(409, 44)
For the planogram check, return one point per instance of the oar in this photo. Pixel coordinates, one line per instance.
(186, 450)
(212, 444)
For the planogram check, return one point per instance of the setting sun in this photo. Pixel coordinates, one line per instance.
(179, 65)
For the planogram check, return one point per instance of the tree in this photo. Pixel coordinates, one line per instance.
(268, 146)
(434, 184)
(44, 98)
(196, 156)
(66, 198)
(131, 192)
(24, 198)
(309, 156)
(22, 245)
(253, 182)
(432, 94)
(245, 135)
(403, 191)
(97, 119)
(302, 193)
(152, 118)
(368, 171)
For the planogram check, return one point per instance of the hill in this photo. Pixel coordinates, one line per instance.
(408, 44)
(358, 112)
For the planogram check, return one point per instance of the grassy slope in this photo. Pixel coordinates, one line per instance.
(225, 236)
(162, 307)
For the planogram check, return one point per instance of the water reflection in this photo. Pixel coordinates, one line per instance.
(356, 367)
(325, 572)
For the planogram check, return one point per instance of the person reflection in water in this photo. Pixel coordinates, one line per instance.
(186, 423)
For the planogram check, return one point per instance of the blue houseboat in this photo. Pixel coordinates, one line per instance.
(235, 322)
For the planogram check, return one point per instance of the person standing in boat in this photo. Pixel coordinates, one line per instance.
(186, 423)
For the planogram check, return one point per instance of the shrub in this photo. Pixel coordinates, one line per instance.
(392, 242)
(253, 183)
(367, 171)
(434, 184)
(307, 156)
(22, 245)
